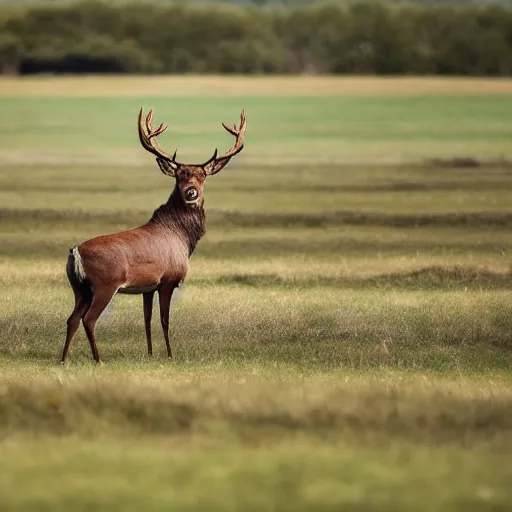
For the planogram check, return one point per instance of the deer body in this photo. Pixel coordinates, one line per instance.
(145, 256)
(150, 258)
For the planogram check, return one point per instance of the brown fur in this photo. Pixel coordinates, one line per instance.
(150, 258)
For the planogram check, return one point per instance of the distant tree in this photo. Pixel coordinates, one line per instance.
(11, 51)
(347, 37)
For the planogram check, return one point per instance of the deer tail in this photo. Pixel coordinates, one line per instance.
(76, 274)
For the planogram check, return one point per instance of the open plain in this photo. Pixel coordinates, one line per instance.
(345, 333)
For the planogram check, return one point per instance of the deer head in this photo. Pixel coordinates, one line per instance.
(190, 178)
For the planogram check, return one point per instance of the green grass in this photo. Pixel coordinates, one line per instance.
(222, 439)
(303, 130)
(343, 338)
(296, 475)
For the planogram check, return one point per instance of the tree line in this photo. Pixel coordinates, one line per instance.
(356, 38)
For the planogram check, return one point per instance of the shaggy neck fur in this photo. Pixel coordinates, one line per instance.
(181, 219)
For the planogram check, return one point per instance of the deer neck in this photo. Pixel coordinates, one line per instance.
(179, 218)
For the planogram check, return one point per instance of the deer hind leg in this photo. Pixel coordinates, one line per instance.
(148, 312)
(100, 301)
(164, 297)
(81, 307)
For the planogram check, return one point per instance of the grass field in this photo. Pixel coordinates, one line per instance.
(344, 337)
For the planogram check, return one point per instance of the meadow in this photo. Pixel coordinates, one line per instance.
(343, 338)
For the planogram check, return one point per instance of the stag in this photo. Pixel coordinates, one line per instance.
(152, 257)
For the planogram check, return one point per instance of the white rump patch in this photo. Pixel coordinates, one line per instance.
(79, 266)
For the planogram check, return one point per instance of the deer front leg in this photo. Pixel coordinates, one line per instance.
(164, 297)
(148, 312)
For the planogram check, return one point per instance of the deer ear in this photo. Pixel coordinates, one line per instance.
(167, 167)
(215, 167)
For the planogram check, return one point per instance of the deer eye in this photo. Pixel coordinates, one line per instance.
(191, 194)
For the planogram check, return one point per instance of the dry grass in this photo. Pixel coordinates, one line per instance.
(428, 410)
(115, 86)
(344, 335)
(310, 326)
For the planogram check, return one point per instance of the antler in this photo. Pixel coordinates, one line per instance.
(168, 165)
(217, 163)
